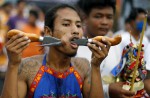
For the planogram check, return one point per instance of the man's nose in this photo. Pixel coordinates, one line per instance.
(75, 33)
(75, 30)
(104, 21)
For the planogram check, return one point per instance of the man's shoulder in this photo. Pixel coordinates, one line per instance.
(82, 65)
(30, 64)
(13, 18)
(80, 61)
(33, 59)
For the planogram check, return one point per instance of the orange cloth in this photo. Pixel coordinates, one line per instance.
(32, 49)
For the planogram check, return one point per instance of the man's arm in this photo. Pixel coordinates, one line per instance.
(26, 74)
(89, 80)
(10, 84)
(92, 87)
(15, 85)
(146, 83)
(147, 86)
(14, 48)
(99, 51)
(22, 80)
(96, 84)
(116, 91)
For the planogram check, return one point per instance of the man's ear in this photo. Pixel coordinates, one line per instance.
(47, 31)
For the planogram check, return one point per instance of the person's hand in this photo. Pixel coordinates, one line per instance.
(15, 46)
(99, 51)
(116, 91)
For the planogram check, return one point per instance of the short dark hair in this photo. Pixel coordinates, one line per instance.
(19, 1)
(135, 12)
(127, 20)
(34, 13)
(148, 20)
(6, 4)
(87, 5)
(51, 14)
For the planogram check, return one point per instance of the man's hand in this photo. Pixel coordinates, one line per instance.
(146, 82)
(14, 47)
(116, 91)
(99, 51)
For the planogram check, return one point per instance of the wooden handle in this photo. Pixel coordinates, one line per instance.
(114, 41)
(32, 37)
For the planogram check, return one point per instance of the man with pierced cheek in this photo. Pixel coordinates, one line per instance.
(58, 73)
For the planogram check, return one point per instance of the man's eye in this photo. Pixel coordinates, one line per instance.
(66, 24)
(110, 17)
(98, 16)
(79, 26)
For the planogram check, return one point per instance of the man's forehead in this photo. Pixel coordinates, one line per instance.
(69, 19)
(141, 16)
(68, 14)
(103, 10)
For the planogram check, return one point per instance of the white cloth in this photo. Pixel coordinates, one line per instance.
(147, 33)
(113, 58)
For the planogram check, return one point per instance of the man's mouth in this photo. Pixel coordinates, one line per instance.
(74, 45)
(103, 29)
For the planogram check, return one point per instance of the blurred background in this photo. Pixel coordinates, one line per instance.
(123, 8)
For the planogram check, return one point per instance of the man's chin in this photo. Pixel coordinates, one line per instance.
(72, 54)
(102, 33)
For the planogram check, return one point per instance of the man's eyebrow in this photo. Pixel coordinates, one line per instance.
(78, 21)
(66, 19)
(104, 14)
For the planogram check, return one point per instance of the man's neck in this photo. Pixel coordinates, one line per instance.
(87, 35)
(135, 34)
(32, 24)
(20, 14)
(57, 60)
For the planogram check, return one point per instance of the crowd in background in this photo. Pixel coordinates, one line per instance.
(24, 17)
(29, 17)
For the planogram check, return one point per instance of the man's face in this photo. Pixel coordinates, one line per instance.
(140, 18)
(67, 27)
(21, 6)
(99, 21)
(9, 8)
(32, 19)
